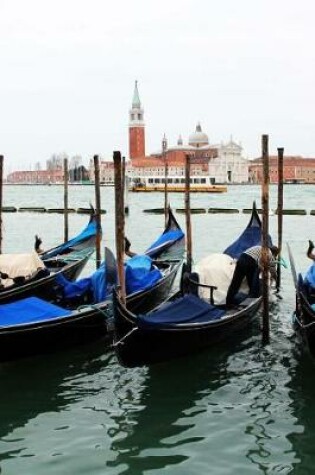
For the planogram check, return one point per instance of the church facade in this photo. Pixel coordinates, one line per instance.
(223, 163)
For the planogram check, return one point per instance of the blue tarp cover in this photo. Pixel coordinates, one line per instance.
(309, 278)
(29, 310)
(96, 284)
(187, 309)
(140, 274)
(89, 231)
(250, 237)
(164, 242)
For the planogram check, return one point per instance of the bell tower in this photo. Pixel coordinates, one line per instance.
(136, 127)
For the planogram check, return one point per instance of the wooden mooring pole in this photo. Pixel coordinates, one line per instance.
(97, 209)
(280, 214)
(187, 213)
(119, 224)
(65, 199)
(265, 233)
(164, 147)
(125, 185)
(1, 201)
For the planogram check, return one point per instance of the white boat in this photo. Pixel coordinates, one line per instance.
(200, 183)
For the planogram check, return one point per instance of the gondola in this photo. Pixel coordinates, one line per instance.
(68, 259)
(186, 323)
(82, 310)
(304, 315)
(149, 276)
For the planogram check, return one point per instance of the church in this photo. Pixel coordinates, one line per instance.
(223, 163)
(214, 163)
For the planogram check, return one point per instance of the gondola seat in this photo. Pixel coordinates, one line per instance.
(185, 310)
(29, 311)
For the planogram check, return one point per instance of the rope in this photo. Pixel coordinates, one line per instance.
(307, 325)
(106, 313)
(74, 255)
(121, 341)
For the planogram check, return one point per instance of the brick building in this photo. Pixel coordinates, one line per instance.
(37, 176)
(296, 169)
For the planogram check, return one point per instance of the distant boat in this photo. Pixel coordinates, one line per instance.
(295, 181)
(200, 183)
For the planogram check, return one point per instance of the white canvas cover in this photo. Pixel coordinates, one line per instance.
(17, 265)
(217, 270)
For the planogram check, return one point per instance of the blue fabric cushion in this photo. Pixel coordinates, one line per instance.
(187, 309)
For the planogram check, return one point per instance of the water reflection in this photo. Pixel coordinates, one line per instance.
(230, 408)
(45, 384)
(270, 416)
(302, 393)
(158, 424)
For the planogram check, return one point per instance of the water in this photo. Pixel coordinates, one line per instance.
(238, 408)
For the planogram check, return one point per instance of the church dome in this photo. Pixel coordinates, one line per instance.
(199, 138)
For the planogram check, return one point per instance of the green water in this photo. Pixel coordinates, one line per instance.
(238, 408)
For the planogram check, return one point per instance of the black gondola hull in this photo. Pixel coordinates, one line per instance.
(137, 346)
(40, 338)
(48, 336)
(304, 322)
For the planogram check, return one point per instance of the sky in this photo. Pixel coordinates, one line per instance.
(241, 68)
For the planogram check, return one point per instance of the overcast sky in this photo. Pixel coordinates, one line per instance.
(241, 68)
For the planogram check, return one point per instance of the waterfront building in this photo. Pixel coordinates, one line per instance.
(43, 177)
(210, 163)
(218, 164)
(107, 172)
(49, 176)
(296, 169)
